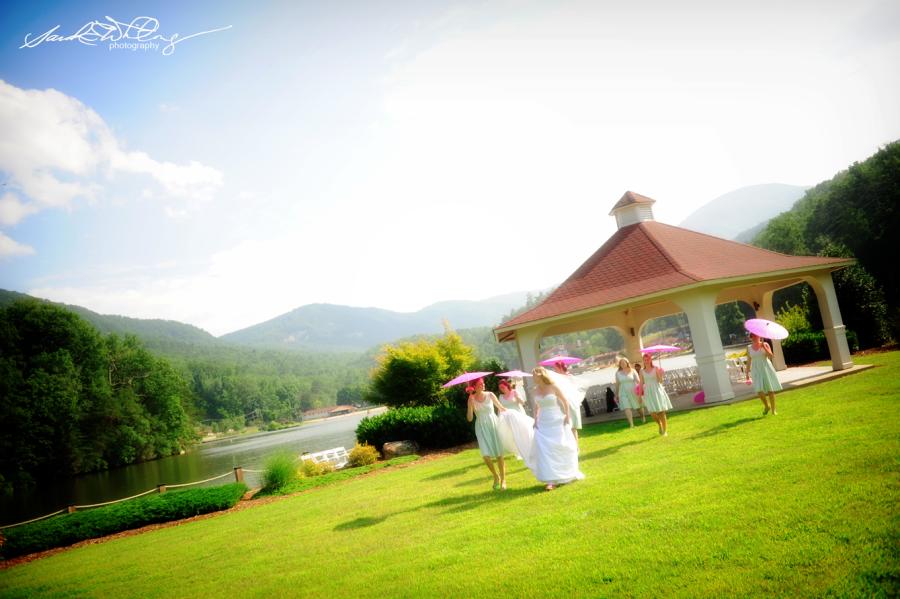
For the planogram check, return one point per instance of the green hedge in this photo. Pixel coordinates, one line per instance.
(67, 529)
(811, 346)
(429, 426)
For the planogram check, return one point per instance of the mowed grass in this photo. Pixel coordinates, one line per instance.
(730, 504)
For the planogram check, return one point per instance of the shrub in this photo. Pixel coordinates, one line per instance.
(794, 318)
(363, 455)
(429, 426)
(67, 529)
(280, 470)
(810, 346)
(310, 468)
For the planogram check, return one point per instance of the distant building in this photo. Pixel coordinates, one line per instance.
(327, 412)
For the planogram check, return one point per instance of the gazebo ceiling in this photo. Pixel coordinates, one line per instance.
(648, 258)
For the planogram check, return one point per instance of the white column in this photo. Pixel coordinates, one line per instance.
(700, 309)
(632, 347)
(767, 311)
(632, 335)
(529, 342)
(835, 332)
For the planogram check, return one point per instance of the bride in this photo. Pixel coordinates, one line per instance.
(553, 456)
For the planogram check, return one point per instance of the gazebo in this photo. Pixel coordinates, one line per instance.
(648, 269)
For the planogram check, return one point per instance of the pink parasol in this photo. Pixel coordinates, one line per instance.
(660, 349)
(657, 349)
(557, 359)
(766, 328)
(465, 378)
(515, 374)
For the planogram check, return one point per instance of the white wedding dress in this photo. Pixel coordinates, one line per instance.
(553, 456)
(516, 429)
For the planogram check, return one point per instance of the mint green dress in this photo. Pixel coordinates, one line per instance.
(655, 397)
(627, 398)
(511, 404)
(762, 373)
(486, 428)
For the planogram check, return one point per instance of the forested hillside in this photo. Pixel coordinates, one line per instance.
(156, 334)
(73, 400)
(854, 214)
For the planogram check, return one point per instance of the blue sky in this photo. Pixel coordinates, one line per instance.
(395, 154)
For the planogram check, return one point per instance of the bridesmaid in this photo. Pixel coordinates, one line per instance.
(762, 373)
(482, 403)
(639, 390)
(655, 397)
(509, 396)
(515, 427)
(627, 380)
(554, 455)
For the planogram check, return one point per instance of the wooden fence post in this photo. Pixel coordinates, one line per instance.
(238, 474)
(160, 489)
(71, 509)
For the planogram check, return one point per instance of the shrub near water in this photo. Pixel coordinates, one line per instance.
(310, 468)
(363, 455)
(430, 426)
(280, 470)
(67, 529)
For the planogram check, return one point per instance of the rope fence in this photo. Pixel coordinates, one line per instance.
(237, 472)
(199, 482)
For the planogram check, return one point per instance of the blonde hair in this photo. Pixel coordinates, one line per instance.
(540, 374)
(627, 363)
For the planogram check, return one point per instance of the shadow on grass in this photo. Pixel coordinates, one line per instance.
(464, 503)
(513, 466)
(454, 472)
(362, 522)
(600, 453)
(452, 504)
(725, 426)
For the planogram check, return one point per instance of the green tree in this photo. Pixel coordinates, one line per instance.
(855, 214)
(72, 401)
(730, 317)
(412, 373)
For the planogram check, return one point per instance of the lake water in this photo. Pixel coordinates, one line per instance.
(200, 463)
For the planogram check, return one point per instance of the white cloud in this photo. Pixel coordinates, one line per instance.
(11, 247)
(12, 210)
(57, 150)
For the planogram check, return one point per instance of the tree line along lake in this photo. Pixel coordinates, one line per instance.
(201, 462)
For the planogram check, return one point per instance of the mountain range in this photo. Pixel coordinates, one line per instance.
(329, 327)
(345, 328)
(322, 327)
(744, 212)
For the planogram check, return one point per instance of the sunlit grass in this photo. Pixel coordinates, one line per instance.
(731, 503)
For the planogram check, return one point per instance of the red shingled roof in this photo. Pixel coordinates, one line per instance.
(649, 257)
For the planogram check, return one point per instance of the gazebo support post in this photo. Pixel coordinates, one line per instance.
(700, 309)
(835, 332)
(528, 341)
(631, 332)
(767, 311)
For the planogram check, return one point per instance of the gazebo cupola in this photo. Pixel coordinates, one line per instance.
(632, 208)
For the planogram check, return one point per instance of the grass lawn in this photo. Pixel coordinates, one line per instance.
(731, 503)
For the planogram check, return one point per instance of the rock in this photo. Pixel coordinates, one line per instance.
(398, 448)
